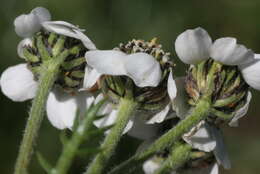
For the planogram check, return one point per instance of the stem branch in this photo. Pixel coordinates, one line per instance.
(179, 155)
(80, 134)
(48, 76)
(200, 112)
(126, 109)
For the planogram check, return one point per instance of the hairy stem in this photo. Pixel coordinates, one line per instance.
(125, 111)
(49, 73)
(179, 155)
(200, 112)
(71, 148)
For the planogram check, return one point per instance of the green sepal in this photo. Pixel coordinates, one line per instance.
(221, 114)
(42, 49)
(73, 63)
(77, 74)
(58, 47)
(70, 82)
(30, 57)
(52, 38)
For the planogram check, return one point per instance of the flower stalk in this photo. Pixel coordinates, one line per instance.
(127, 106)
(180, 154)
(80, 134)
(199, 113)
(49, 72)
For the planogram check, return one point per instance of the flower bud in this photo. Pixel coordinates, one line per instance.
(222, 83)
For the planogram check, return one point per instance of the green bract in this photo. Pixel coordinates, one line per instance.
(224, 83)
(47, 44)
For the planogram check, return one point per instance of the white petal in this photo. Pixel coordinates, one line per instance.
(171, 87)
(251, 74)
(17, 83)
(180, 104)
(150, 166)
(128, 126)
(143, 131)
(227, 51)
(192, 46)
(25, 42)
(143, 69)
(159, 117)
(42, 13)
(90, 78)
(241, 112)
(106, 121)
(67, 29)
(220, 151)
(26, 25)
(201, 139)
(112, 62)
(257, 56)
(214, 169)
(108, 62)
(62, 107)
(110, 119)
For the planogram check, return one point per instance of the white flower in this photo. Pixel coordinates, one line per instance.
(27, 25)
(61, 107)
(241, 112)
(141, 67)
(70, 30)
(109, 109)
(200, 137)
(179, 101)
(251, 74)
(227, 51)
(17, 83)
(207, 138)
(194, 46)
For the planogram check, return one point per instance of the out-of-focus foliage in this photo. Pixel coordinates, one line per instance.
(109, 22)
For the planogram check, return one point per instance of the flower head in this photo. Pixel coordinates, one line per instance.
(195, 46)
(143, 64)
(43, 42)
(223, 70)
(28, 24)
(49, 39)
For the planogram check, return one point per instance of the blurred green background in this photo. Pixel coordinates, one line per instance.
(109, 22)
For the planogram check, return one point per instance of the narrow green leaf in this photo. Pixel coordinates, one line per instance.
(44, 163)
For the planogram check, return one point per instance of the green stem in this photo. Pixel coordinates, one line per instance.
(79, 135)
(179, 155)
(126, 108)
(49, 73)
(200, 112)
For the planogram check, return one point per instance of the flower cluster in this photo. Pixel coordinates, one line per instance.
(221, 71)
